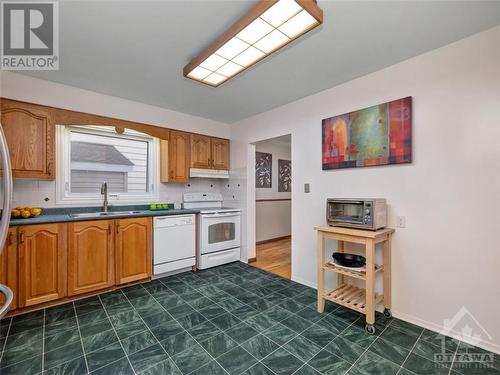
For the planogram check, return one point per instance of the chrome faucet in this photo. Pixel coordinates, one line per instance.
(104, 191)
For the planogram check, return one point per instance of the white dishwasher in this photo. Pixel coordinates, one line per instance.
(174, 244)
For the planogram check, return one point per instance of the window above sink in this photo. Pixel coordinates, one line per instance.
(90, 155)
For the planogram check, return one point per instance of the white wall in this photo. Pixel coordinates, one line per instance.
(279, 150)
(40, 193)
(449, 194)
(273, 218)
(33, 90)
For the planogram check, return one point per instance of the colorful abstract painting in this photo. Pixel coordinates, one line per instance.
(378, 135)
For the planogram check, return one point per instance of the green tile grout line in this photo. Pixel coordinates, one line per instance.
(118, 337)
(411, 351)
(174, 318)
(81, 339)
(454, 357)
(227, 279)
(278, 322)
(43, 341)
(5, 342)
(149, 329)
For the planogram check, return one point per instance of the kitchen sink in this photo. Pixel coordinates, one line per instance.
(104, 214)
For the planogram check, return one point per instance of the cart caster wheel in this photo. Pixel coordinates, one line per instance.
(388, 313)
(369, 328)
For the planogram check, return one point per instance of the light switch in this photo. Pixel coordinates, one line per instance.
(307, 188)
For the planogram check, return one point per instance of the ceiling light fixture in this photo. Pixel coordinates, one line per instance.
(267, 27)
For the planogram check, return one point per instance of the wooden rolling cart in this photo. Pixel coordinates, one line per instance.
(350, 296)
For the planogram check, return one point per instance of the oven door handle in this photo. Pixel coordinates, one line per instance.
(346, 202)
(221, 215)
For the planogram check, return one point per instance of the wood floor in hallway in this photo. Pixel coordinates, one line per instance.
(275, 257)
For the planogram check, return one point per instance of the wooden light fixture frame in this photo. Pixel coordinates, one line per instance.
(255, 12)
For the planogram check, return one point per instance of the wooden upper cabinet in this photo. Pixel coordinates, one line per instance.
(42, 263)
(220, 153)
(200, 151)
(8, 267)
(90, 256)
(30, 133)
(179, 152)
(209, 153)
(133, 249)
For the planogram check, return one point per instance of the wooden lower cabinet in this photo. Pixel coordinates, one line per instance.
(133, 249)
(90, 256)
(42, 263)
(48, 262)
(8, 267)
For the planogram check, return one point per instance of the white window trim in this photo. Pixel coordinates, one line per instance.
(63, 170)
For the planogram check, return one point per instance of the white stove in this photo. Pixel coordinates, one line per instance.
(218, 229)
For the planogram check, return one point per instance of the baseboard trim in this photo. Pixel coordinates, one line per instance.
(273, 239)
(486, 345)
(252, 260)
(304, 282)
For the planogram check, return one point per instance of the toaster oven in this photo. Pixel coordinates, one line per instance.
(357, 213)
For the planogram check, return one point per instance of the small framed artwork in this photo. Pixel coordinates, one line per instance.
(263, 170)
(378, 135)
(284, 176)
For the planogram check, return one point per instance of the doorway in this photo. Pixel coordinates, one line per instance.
(273, 205)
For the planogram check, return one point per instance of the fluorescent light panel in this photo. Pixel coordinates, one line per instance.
(277, 26)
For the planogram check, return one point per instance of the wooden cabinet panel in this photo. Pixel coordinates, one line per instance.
(178, 156)
(30, 134)
(42, 263)
(220, 153)
(8, 267)
(90, 256)
(200, 151)
(133, 249)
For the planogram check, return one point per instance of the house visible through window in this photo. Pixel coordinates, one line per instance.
(94, 155)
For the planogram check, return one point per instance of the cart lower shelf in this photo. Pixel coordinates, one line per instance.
(347, 272)
(351, 297)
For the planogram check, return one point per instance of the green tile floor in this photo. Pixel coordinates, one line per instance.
(232, 319)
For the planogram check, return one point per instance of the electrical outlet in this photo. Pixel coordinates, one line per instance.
(401, 221)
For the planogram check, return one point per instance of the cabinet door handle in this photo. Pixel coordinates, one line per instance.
(22, 237)
(117, 229)
(110, 229)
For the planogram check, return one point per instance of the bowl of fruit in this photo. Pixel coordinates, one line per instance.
(25, 212)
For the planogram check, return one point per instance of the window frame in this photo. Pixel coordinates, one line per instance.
(63, 170)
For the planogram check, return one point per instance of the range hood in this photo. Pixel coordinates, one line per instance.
(208, 173)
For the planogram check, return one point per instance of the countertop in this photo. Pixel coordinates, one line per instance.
(62, 215)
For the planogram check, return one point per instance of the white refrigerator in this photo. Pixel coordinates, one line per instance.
(5, 220)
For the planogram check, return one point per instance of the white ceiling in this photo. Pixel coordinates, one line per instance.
(137, 49)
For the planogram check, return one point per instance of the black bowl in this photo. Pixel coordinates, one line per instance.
(349, 260)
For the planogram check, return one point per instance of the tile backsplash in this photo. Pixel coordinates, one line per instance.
(40, 193)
